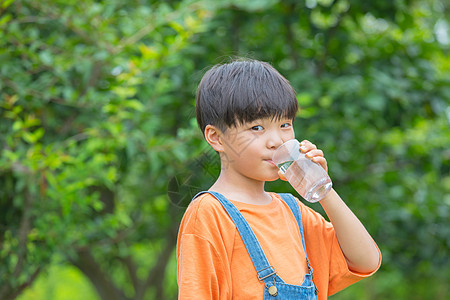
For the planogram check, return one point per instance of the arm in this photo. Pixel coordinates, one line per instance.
(358, 247)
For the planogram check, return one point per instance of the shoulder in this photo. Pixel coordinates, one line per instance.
(206, 204)
(205, 215)
(310, 217)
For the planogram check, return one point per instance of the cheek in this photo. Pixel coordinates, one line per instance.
(247, 145)
(253, 154)
(289, 135)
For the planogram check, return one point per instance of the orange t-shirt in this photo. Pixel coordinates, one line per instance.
(213, 262)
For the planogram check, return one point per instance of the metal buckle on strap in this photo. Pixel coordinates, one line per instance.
(273, 273)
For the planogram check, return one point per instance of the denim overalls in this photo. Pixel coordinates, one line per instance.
(275, 287)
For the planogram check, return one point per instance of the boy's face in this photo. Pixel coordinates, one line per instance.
(248, 148)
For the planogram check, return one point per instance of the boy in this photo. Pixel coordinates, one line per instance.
(237, 241)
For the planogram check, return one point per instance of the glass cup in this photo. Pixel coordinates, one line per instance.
(308, 178)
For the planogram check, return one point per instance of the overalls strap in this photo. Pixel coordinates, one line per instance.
(293, 205)
(262, 266)
(274, 286)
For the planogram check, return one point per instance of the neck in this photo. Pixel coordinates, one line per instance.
(242, 189)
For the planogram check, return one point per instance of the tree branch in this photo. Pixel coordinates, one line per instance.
(24, 229)
(14, 294)
(11, 292)
(132, 271)
(87, 264)
(156, 275)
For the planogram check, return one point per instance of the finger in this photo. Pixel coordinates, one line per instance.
(307, 143)
(282, 176)
(314, 153)
(306, 146)
(321, 161)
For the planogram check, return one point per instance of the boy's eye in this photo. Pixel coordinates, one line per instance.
(257, 128)
(285, 125)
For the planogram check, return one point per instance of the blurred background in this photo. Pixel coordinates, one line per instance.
(101, 154)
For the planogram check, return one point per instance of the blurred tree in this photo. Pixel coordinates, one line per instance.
(100, 152)
(91, 96)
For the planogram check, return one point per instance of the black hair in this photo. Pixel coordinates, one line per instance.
(242, 91)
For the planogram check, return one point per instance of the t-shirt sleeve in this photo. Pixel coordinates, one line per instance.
(203, 271)
(328, 261)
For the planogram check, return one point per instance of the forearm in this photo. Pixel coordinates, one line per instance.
(357, 245)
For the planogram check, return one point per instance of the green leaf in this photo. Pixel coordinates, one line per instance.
(17, 125)
(135, 105)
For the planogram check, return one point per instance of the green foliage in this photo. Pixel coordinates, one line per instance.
(61, 282)
(100, 152)
(88, 128)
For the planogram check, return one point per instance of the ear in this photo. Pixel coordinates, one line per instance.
(213, 136)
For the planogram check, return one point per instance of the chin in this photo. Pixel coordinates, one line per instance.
(273, 178)
(267, 176)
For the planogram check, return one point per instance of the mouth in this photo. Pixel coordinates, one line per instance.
(271, 162)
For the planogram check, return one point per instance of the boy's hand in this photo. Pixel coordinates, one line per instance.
(310, 150)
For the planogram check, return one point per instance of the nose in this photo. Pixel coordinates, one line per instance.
(274, 140)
